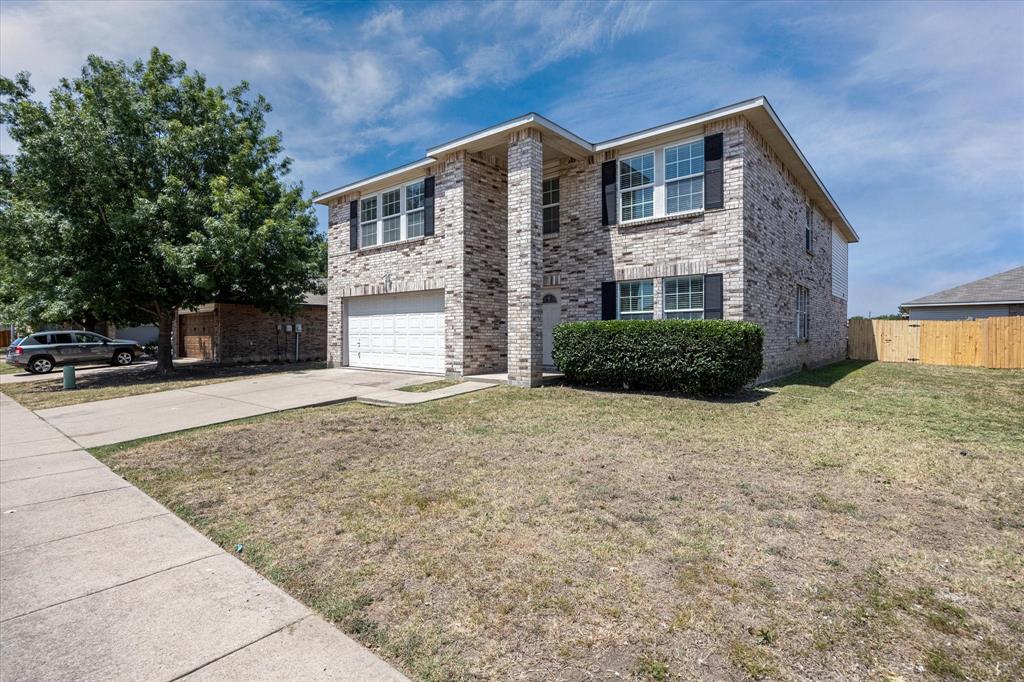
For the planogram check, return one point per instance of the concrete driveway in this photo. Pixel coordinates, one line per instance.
(113, 421)
(99, 582)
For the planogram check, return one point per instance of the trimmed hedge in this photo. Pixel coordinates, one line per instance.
(701, 357)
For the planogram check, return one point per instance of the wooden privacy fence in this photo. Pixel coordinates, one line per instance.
(994, 342)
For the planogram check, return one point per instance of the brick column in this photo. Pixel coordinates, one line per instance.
(525, 258)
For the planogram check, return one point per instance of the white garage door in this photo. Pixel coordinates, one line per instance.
(402, 332)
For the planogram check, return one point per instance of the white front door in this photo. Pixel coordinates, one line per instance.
(552, 303)
(401, 332)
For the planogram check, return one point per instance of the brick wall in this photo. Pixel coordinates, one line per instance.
(586, 253)
(485, 306)
(423, 264)
(776, 262)
(247, 334)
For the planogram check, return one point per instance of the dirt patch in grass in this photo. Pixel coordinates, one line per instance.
(10, 369)
(853, 523)
(432, 386)
(37, 395)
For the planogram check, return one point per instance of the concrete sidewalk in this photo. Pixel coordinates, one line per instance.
(113, 421)
(99, 582)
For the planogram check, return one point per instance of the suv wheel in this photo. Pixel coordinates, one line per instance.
(40, 365)
(123, 358)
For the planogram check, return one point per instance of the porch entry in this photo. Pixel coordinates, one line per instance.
(552, 304)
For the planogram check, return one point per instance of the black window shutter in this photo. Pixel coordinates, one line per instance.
(714, 196)
(609, 306)
(712, 297)
(609, 202)
(353, 226)
(428, 206)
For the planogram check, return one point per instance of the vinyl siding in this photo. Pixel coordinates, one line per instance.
(840, 266)
(958, 312)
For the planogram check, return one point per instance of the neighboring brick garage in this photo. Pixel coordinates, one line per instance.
(235, 333)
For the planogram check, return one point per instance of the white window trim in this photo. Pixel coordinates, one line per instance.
(557, 203)
(660, 192)
(618, 301)
(803, 317)
(379, 222)
(664, 297)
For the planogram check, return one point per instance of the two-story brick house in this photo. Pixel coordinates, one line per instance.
(463, 262)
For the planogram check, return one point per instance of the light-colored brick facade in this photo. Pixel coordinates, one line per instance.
(491, 260)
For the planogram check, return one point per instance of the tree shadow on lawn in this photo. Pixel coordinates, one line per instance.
(823, 377)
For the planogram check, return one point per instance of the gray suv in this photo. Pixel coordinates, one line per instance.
(39, 353)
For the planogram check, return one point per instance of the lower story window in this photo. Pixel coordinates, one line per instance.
(803, 315)
(636, 300)
(684, 298)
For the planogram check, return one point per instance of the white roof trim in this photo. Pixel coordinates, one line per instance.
(683, 123)
(423, 163)
(950, 305)
(529, 118)
(538, 120)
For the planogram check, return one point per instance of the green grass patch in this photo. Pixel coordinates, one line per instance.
(430, 386)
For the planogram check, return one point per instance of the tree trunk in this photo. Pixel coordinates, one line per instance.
(164, 363)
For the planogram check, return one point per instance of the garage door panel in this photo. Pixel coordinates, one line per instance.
(398, 332)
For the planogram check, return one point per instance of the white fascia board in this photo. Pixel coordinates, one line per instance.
(423, 163)
(951, 305)
(810, 169)
(683, 123)
(530, 118)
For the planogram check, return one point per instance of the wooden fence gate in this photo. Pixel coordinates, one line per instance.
(994, 342)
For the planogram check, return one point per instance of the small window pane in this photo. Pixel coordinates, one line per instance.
(638, 203)
(636, 300)
(685, 195)
(551, 219)
(414, 224)
(61, 338)
(636, 171)
(391, 203)
(368, 210)
(392, 229)
(684, 298)
(550, 192)
(368, 233)
(683, 160)
(414, 196)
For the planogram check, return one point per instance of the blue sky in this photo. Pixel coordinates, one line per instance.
(910, 113)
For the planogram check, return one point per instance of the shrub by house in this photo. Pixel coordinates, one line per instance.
(700, 357)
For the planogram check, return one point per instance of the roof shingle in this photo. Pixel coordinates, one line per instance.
(1006, 287)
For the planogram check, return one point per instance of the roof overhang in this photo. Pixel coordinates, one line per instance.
(961, 303)
(758, 111)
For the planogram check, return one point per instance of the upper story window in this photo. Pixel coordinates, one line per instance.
(803, 313)
(684, 177)
(684, 298)
(636, 300)
(392, 215)
(662, 182)
(368, 221)
(636, 187)
(550, 200)
(808, 224)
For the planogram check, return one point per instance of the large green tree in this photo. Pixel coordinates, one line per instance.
(140, 189)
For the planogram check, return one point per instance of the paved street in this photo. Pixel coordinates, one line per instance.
(99, 582)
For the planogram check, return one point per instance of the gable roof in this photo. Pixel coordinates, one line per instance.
(757, 110)
(1006, 287)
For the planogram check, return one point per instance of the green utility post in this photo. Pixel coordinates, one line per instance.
(69, 377)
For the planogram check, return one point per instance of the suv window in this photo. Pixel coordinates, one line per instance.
(83, 337)
(62, 337)
(38, 339)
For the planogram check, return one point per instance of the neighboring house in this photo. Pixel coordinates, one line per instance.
(143, 334)
(463, 262)
(234, 333)
(996, 296)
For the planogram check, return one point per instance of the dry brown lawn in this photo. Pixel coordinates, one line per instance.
(135, 380)
(859, 522)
